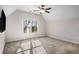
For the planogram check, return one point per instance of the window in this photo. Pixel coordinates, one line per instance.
(30, 26)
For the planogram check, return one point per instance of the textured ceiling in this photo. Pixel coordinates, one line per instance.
(58, 12)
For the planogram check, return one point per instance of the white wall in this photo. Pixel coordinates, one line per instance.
(67, 29)
(0, 12)
(63, 23)
(14, 29)
(2, 42)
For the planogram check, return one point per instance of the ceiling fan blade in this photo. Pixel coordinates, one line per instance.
(47, 11)
(47, 8)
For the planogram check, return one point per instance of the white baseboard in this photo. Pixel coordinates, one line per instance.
(64, 39)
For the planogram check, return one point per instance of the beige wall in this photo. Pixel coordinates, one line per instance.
(67, 29)
(14, 28)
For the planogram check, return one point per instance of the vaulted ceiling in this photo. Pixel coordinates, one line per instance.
(58, 12)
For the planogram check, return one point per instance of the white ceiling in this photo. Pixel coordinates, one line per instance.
(58, 12)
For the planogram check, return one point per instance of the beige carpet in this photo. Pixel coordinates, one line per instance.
(44, 45)
(24, 47)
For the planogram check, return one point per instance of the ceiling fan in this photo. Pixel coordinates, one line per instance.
(43, 9)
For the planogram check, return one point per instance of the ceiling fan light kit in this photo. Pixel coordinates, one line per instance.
(43, 9)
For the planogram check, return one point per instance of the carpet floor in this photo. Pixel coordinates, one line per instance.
(43, 45)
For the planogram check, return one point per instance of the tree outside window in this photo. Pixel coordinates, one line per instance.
(30, 26)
